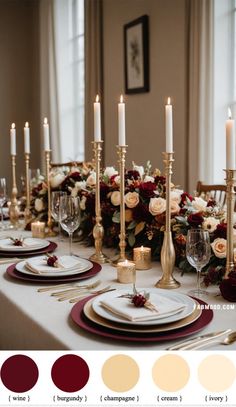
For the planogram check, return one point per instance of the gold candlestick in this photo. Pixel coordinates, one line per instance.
(168, 252)
(14, 208)
(121, 153)
(50, 231)
(230, 196)
(27, 212)
(98, 230)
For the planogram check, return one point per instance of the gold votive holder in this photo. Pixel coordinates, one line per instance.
(142, 258)
(38, 229)
(126, 272)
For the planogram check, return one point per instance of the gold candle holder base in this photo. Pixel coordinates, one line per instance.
(98, 230)
(14, 211)
(168, 251)
(50, 232)
(230, 197)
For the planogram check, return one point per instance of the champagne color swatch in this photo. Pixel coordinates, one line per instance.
(216, 373)
(170, 373)
(120, 373)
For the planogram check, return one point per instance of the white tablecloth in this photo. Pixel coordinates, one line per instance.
(32, 320)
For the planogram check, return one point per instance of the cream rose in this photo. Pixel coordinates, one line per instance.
(39, 205)
(131, 199)
(157, 206)
(110, 171)
(56, 179)
(210, 224)
(199, 204)
(115, 198)
(148, 178)
(83, 203)
(174, 207)
(175, 195)
(219, 248)
(91, 180)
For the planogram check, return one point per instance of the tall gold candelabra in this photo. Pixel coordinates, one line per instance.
(27, 213)
(121, 150)
(230, 197)
(98, 230)
(168, 252)
(14, 208)
(50, 231)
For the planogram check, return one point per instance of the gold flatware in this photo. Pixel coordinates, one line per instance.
(59, 286)
(94, 293)
(79, 293)
(185, 345)
(76, 289)
(228, 340)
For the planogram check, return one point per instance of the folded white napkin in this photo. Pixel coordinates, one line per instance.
(66, 263)
(29, 242)
(123, 308)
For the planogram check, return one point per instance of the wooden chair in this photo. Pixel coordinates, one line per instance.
(215, 191)
(70, 164)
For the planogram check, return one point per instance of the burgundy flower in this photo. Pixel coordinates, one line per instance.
(37, 189)
(104, 189)
(214, 275)
(183, 211)
(211, 203)
(160, 179)
(70, 180)
(195, 219)
(228, 287)
(90, 204)
(221, 231)
(141, 213)
(147, 189)
(184, 197)
(132, 174)
(76, 176)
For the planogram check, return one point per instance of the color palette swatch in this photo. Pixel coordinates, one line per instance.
(139, 378)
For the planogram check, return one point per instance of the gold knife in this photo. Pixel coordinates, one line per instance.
(184, 345)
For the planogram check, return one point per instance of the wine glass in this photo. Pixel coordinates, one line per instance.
(55, 205)
(69, 215)
(198, 251)
(3, 198)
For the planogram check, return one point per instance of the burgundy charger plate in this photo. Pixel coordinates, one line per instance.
(48, 249)
(80, 319)
(12, 272)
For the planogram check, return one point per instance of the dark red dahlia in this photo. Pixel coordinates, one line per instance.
(132, 175)
(221, 231)
(184, 197)
(51, 260)
(195, 219)
(160, 179)
(146, 189)
(139, 300)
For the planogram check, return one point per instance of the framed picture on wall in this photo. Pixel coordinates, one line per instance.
(136, 55)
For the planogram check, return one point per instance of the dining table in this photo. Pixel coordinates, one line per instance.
(33, 320)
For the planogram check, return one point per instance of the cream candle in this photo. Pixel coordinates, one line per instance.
(13, 139)
(46, 135)
(27, 138)
(97, 119)
(126, 272)
(38, 229)
(169, 127)
(230, 142)
(142, 258)
(121, 121)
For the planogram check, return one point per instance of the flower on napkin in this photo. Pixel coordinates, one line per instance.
(140, 300)
(52, 261)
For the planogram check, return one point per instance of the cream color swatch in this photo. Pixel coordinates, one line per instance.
(216, 373)
(120, 373)
(170, 373)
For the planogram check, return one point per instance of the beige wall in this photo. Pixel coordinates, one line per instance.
(19, 78)
(145, 112)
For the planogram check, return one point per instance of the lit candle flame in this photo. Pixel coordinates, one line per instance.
(168, 101)
(229, 113)
(141, 248)
(26, 124)
(45, 120)
(13, 126)
(126, 262)
(97, 99)
(121, 99)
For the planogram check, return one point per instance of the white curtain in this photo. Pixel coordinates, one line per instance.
(200, 95)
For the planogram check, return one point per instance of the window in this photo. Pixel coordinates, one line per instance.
(69, 50)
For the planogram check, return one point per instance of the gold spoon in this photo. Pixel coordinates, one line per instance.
(228, 340)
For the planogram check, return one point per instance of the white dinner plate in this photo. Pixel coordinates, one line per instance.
(6, 245)
(83, 265)
(189, 303)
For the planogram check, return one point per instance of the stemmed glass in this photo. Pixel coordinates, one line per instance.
(198, 251)
(3, 198)
(69, 215)
(55, 205)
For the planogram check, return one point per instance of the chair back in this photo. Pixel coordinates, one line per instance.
(214, 191)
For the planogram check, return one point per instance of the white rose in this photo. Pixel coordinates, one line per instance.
(117, 179)
(175, 195)
(148, 178)
(83, 203)
(56, 179)
(174, 207)
(39, 205)
(140, 169)
(157, 206)
(131, 199)
(219, 248)
(91, 180)
(80, 185)
(199, 204)
(110, 171)
(210, 224)
(115, 198)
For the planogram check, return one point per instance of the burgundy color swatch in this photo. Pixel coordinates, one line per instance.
(19, 373)
(70, 373)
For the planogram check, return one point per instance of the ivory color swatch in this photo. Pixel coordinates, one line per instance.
(216, 373)
(170, 373)
(120, 373)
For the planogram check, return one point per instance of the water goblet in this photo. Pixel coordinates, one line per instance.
(69, 215)
(55, 205)
(198, 252)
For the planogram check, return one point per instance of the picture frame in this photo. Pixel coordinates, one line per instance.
(136, 55)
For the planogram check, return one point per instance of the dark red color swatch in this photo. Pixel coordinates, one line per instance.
(70, 373)
(19, 373)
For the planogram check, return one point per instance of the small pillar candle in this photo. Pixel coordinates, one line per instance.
(142, 258)
(126, 272)
(38, 229)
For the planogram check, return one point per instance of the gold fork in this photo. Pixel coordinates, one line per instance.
(59, 286)
(79, 294)
(94, 293)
